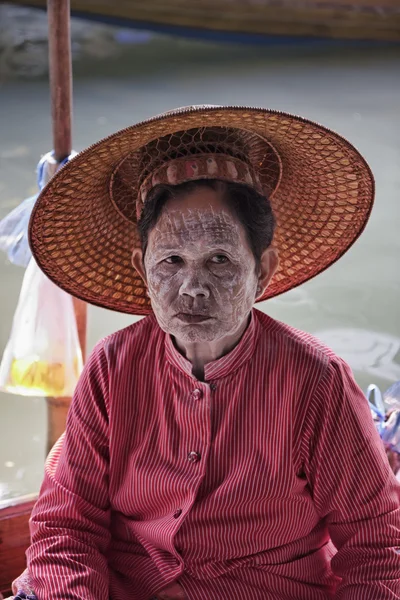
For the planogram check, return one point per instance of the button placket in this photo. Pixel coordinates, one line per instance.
(193, 419)
(195, 436)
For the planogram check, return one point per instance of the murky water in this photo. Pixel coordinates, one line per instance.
(354, 306)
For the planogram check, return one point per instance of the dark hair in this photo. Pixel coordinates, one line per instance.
(252, 209)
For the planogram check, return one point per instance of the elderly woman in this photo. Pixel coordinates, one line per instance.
(211, 452)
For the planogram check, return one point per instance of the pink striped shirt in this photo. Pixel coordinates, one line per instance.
(266, 482)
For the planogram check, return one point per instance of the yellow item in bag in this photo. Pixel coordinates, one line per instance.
(43, 356)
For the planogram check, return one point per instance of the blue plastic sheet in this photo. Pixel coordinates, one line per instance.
(14, 233)
(14, 227)
(386, 414)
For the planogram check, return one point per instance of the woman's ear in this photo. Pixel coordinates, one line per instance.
(268, 266)
(137, 263)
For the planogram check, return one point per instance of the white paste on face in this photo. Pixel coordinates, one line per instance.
(198, 260)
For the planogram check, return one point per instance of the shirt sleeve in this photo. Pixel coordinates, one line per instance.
(70, 522)
(353, 488)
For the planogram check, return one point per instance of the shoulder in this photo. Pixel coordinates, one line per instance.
(294, 342)
(298, 355)
(114, 359)
(324, 373)
(132, 341)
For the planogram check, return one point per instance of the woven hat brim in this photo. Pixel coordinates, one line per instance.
(322, 204)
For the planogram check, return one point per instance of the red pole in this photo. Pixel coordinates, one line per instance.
(60, 70)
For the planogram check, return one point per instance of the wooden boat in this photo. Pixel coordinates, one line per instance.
(248, 20)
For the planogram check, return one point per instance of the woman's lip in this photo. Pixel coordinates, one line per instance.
(192, 318)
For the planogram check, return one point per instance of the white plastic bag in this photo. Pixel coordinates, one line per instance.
(43, 356)
(14, 233)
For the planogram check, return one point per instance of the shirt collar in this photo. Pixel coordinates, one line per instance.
(226, 364)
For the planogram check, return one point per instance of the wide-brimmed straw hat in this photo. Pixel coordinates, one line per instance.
(84, 224)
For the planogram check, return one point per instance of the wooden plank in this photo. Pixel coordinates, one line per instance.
(14, 540)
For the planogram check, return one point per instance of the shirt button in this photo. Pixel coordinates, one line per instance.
(177, 513)
(213, 387)
(197, 394)
(193, 457)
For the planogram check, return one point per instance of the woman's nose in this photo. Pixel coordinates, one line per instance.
(194, 286)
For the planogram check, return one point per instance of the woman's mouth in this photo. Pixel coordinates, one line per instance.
(192, 317)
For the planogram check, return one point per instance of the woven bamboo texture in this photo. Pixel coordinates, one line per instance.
(84, 227)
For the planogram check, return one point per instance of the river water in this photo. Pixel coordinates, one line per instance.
(353, 307)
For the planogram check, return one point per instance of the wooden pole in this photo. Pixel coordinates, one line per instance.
(60, 70)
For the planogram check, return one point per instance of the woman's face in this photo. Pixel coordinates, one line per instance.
(200, 270)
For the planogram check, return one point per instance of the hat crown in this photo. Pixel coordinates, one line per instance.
(137, 173)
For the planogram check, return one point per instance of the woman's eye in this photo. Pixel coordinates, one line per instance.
(219, 259)
(173, 260)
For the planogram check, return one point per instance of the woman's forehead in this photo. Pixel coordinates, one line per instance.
(206, 228)
(196, 219)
